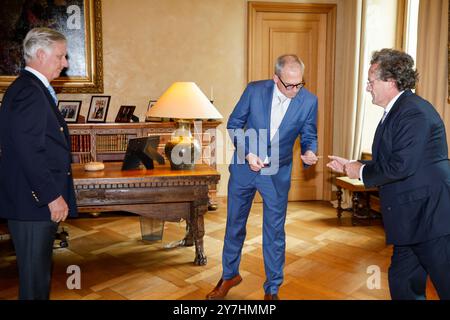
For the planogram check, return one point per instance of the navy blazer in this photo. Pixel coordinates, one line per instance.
(252, 115)
(411, 168)
(35, 162)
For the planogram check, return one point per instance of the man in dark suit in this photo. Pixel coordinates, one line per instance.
(410, 167)
(36, 186)
(264, 125)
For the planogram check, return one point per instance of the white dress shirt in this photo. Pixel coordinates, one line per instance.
(280, 104)
(39, 75)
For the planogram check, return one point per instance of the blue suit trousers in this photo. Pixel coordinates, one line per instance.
(274, 239)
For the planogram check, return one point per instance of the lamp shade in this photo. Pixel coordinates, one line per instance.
(184, 100)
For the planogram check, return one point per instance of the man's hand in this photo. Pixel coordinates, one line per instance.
(309, 158)
(352, 169)
(256, 164)
(337, 163)
(58, 209)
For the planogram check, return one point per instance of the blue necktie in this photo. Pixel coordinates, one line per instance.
(53, 94)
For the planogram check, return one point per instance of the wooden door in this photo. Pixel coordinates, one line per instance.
(307, 30)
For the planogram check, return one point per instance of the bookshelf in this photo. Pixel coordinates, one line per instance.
(108, 141)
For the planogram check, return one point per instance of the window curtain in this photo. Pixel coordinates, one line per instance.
(347, 110)
(432, 56)
(347, 116)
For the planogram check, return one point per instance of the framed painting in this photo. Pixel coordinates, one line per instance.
(98, 109)
(70, 110)
(78, 20)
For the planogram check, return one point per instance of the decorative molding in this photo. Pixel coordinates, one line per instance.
(176, 182)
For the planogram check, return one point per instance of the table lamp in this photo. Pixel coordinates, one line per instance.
(184, 102)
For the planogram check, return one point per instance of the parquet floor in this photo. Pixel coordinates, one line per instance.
(324, 259)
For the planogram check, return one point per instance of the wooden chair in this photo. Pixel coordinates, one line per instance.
(365, 201)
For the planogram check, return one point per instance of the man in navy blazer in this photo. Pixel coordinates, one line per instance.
(264, 125)
(410, 167)
(36, 186)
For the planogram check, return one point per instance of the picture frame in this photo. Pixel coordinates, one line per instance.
(124, 114)
(70, 109)
(79, 20)
(98, 109)
(151, 103)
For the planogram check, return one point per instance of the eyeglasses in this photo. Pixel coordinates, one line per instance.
(370, 82)
(292, 86)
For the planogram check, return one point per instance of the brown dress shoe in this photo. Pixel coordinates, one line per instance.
(269, 296)
(222, 288)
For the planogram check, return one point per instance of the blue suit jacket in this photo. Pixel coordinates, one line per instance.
(252, 115)
(35, 152)
(411, 168)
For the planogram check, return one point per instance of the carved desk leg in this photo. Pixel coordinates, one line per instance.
(355, 202)
(367, 208)
(197, 226)
(339, 199)
(188, 240)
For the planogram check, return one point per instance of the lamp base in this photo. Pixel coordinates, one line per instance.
(182, 154)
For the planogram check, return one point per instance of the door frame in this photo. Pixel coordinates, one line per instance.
(328, 105)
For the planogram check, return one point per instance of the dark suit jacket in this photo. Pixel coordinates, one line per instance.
(252, 114)
(411, 168)
(35, 160)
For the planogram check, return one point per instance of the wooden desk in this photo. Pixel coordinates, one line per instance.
(358, 190)
(159, 193)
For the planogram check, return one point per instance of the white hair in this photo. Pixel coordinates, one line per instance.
(288, 59)
(40, 38)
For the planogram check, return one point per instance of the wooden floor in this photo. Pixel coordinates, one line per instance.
(324, 259)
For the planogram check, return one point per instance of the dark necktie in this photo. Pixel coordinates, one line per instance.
(384, 116)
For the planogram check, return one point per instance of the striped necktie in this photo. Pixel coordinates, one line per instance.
(53, 94)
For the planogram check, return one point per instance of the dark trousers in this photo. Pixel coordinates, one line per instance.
(410, 266)
(33, 243)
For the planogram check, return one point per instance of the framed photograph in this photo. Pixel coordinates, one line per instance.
(125, 113)
(79, 20)
(98, 109)
(151, 103)
(69, 110)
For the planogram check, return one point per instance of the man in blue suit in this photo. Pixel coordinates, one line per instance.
(264, 125)
(410, 167)
(36, 186)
